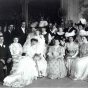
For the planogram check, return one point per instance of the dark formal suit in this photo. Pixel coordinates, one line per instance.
(22, 35)
(9, 37)
(4, 55)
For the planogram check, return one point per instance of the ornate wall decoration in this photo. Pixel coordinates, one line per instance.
(83, 9)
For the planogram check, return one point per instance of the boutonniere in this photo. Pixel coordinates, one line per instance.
(4, 46)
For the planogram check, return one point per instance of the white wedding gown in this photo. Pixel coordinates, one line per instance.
(24, 75)
(39, 49)
(23, 71)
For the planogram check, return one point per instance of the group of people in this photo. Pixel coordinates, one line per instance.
(47, 51)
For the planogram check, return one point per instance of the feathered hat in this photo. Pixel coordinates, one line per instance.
(81, 22)
(70, 34)
(34, 25)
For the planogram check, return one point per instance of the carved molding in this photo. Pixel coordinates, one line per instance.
(83, 9)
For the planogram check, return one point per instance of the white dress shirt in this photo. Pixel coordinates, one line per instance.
(23, 29)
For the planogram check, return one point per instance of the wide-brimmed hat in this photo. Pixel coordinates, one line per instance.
(43, 24)
(72, 34)
(81, 22)
(34, 25)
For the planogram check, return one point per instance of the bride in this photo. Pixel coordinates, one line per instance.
(26, 70)
(40, 55)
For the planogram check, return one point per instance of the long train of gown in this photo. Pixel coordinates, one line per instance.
(79, 69)
(24, 75)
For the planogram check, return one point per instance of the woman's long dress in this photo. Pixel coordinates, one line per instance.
(25, 72)
(79, 69)
(16, 52)
(56, 65)
(70, 51)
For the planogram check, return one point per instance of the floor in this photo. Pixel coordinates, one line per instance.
(47, 83)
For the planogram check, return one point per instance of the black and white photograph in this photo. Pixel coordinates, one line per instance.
(43, 43)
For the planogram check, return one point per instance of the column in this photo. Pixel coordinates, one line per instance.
(62, 2)
(64, 6)
(72, 11)
(25, 10)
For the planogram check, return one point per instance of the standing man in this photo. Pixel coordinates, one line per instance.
(22, 33)
(5, 58)
(9, 35)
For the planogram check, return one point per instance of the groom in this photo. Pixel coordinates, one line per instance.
(5, 57)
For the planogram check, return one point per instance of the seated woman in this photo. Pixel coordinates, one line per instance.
(71, 53)
(56, 66)
(26, 70)
(79, 69)
(16, 52)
